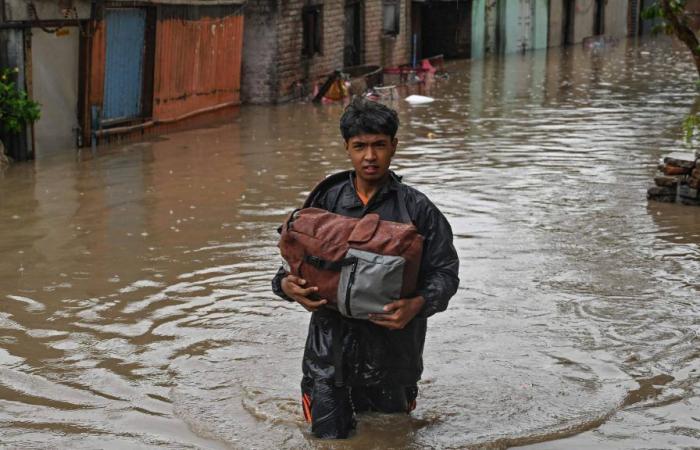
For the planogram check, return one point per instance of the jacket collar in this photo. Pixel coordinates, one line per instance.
(349, 198)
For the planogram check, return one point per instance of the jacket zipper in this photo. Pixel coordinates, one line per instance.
(351, 281)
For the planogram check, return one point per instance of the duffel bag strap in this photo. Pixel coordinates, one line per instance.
(324, 264)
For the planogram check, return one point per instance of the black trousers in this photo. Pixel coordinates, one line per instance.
(331, 410)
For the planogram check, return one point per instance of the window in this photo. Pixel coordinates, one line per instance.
(391, 17)
(311, 17)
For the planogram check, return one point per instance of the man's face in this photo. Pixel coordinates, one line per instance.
(371, 155)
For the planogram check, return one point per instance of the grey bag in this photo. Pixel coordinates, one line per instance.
(369, 283)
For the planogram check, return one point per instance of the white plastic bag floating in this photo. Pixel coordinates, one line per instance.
(419, 99)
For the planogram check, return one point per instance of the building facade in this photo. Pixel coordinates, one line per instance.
(106, 69)
(293, 45)
(152, 64)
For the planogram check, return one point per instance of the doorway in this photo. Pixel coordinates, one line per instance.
(567, 29)
(599, 23)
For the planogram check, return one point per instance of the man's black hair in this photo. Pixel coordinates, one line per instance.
(364, 116)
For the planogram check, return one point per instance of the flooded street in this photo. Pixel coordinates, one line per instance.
(135, 302)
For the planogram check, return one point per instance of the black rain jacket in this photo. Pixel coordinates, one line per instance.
(372, 354)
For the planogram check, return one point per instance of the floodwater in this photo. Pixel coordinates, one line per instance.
(136, 311)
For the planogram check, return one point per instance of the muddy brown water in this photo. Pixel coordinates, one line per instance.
(134, 285)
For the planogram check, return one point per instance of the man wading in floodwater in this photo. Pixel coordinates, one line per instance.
(381, 359)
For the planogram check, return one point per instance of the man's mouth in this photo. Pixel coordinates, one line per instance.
(370, 169)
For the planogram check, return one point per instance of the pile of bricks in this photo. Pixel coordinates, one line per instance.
(680, 181)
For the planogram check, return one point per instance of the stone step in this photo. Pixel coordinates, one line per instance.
(662, 194)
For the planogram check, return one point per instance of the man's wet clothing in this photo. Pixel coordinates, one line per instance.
(374, 362)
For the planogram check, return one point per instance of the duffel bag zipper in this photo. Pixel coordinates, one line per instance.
(351, 281)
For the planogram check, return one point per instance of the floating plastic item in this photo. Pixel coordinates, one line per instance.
(419, 99)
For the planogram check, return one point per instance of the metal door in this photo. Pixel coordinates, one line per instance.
(55, 65)
(124, 63)
(524, 25)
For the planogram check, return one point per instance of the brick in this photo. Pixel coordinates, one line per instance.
(290, 67)
(685, 161)
(665, 181)
(675, 170)
(661, 194)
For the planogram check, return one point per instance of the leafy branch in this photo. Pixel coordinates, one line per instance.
(16, 109)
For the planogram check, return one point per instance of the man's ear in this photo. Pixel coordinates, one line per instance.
(394, 145)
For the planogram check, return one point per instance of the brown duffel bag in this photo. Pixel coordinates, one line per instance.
(358, 265)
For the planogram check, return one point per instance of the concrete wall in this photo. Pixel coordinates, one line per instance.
(18, 10)
(523, 25)
(584, 18)
(491, 27)
(258, 71)
(540, 24)
(55, 87)
(616, 18)
(478, 29)
(555, 36)
(510, 29)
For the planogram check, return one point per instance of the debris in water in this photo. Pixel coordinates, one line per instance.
(419, 99)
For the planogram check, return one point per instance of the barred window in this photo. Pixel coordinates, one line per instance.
(312, 17)
(391, 17)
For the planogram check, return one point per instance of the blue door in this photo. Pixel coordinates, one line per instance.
(124, 63)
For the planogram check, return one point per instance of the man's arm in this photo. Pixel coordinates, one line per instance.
(439, 277)
(293, 289)
(277, 284)
(439, 273)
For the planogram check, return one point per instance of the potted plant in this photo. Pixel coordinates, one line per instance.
(16, 109)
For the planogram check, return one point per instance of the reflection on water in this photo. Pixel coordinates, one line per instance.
(134, 286)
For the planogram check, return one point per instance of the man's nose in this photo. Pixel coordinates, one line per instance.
(370, 154)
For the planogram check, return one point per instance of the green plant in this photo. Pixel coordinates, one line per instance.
(16, 109)
(676, 20)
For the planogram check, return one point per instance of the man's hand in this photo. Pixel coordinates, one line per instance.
(398, 313)
(293, 287)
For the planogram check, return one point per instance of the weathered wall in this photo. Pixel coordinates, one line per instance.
(386, 50)
(295, 71)
(55, 87)
(584, 18)
(490, 27)
(555, 36)
(296, 74)
(18, 10)
(540, 23)
(478, 29)
(259, 64)
(616, 18)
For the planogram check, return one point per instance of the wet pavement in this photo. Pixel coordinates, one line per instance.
(134, 285)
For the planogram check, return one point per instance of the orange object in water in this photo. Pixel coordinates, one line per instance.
(337, 91)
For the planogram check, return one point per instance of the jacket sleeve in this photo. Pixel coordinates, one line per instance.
(439, 272)
(319, 202)
(277, 284)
